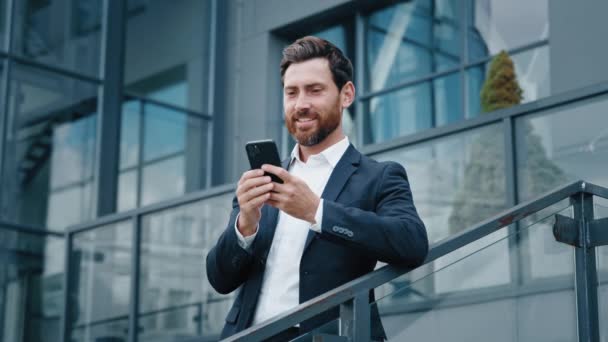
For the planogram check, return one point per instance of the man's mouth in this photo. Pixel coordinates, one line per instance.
(304, 119)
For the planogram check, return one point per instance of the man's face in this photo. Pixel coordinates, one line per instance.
(311, 100)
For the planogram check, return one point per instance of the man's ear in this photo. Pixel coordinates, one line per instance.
(347, 94)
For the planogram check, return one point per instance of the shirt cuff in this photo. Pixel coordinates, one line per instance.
(318, 218)
(244, 241)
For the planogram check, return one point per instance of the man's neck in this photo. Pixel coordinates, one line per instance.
(332, 139)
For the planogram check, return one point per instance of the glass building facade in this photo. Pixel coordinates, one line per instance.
(122, 131)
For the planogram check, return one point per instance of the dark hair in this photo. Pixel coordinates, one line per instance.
(311, 47)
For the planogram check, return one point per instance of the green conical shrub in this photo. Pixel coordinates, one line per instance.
(500, 90)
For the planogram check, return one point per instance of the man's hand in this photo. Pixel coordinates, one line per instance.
(293, 197)
(252, 191)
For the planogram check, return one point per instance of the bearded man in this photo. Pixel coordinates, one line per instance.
(335, 216)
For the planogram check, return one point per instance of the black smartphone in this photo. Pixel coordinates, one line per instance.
(262, 152)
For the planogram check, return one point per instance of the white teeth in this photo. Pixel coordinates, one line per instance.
(304, 119)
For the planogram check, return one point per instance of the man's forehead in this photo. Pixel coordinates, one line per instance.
(309, 71)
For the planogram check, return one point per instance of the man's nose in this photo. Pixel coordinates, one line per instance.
(302, 103)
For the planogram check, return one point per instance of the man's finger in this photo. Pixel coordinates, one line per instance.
(250, 174)
(281, 172)
(257, 202)
(256, 191)
(252, 183)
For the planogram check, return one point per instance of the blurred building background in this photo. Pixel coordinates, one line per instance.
(122, 132)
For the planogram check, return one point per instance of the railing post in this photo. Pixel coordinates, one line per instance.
(355, 318)
(585, 271)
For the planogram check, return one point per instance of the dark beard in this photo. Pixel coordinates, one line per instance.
(317, 137)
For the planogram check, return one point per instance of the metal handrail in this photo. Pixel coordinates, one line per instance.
(352, 290)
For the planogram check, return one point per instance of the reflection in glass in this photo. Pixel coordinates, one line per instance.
(162, 180)
(399, 113)
(601, 211)
(414, 109)
(127, 190)
(50, 149)
(3, 24)
(602, 267)
(162, 154)
(492, 29)
(476, 296)
(60, 33)
(447, 100)
(129, 133)
(164, 131)
(175, 297)
(531, 69)
(100, 272)
(176, 33)
(457, 181)
(562, 145)
(411, 39)
(31, 271)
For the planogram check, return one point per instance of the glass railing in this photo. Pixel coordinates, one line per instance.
(601, 211)
(515, 286)
(174, 299)
(521, 275)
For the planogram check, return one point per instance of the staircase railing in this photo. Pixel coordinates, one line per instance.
(582, 232)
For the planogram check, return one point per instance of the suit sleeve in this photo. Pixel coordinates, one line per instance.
(228, 264)
(392, 233)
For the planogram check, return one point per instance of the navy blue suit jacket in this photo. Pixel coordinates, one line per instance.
(368, 215)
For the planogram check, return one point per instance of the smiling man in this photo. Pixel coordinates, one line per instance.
(337, 213)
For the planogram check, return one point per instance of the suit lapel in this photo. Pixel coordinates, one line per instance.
(267, 232)
(338, 178)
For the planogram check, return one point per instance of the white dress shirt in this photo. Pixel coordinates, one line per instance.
(281, 284)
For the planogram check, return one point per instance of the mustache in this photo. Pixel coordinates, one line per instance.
(304, 114)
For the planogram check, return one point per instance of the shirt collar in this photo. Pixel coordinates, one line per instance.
(332, 154)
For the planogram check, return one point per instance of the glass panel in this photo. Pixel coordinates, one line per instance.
(100, 272)
(447, 99)
(60, 33)
(175, 296)
(410, 40)
(399, 113)
(477, 296)
(50, 149)
(31, 286)
(531, 70)
(127, 190)
(163, 180)
(601, 211)
(457, 181)
(164, 131)
(562, 145)
(130, 133)
(414, 109)
(159, 142)
(3, 24)
(492, 26)
(177, 35)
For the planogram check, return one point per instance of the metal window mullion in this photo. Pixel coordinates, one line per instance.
(464, 55)
(585, 272)
(211, 92)
(136, 270)
(140, 154)
(516, 259)
(360, 75)
(5, 85)
(65, 317)
(110, 107)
